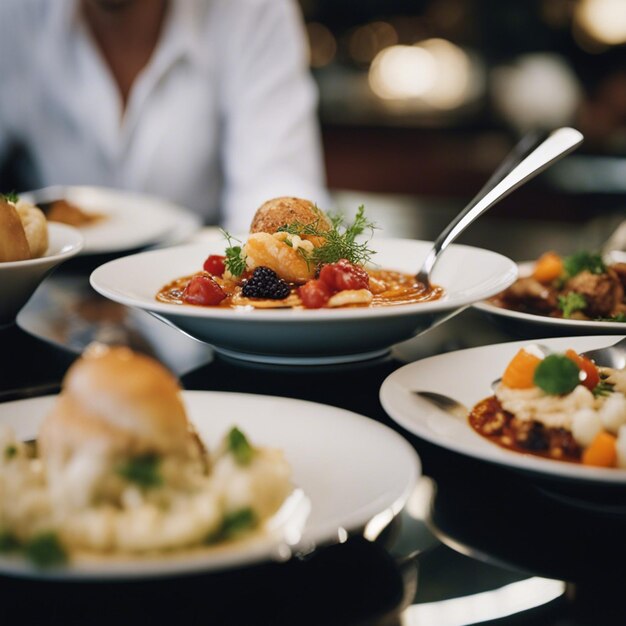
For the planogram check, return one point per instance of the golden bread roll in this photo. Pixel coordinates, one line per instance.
(120, 403)
(35, 227)
(273, 214)
(13, 242)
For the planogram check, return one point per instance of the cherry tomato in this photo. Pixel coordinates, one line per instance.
(314, 294)
(592, 376)
(214, 264)
(344, 275)
(203, 290)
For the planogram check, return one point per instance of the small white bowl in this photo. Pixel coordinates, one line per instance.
(19, 279)
(304, 336)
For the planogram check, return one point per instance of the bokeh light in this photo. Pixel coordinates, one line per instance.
(367, 41)
(604, 21)
(537, 91)
(433, 74)
(322, 45)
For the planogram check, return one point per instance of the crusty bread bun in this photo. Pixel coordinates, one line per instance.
(13, 242)
(273, 214)
(120, 402)
(35, 228)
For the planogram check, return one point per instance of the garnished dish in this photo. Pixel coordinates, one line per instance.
(119, 470)
(579, 287)
(559, 406)
(23, 230)
(70, 213)
(296, 256)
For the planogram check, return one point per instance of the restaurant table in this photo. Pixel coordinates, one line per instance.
(476, 543)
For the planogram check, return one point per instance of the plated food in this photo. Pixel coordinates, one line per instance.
(551, 433)
(300, 335)
(558, 406)
(579, 287)
(70, 213)
(296, 256)
(118, 469)
(23, 230)
(115, 220)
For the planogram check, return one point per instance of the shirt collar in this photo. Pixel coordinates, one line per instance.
(181, 37)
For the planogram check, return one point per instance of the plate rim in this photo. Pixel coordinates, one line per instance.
(436, 306)
(257, 553)
(497, 455)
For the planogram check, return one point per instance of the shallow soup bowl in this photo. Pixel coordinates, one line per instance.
(307, 336)
(19, 279)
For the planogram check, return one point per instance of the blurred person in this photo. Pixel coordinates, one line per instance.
(208, 103)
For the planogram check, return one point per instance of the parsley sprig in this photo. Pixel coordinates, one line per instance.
(340, 242)
(557, 375)
(570, 303)
(142, 470)
(581, 261)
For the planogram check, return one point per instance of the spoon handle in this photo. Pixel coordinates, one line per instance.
(525, 161)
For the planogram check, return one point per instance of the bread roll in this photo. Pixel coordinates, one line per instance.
(275, 213)
(13, 242)
(120, 402)
(35, 227)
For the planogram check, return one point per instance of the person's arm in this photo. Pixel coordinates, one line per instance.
(271, 145)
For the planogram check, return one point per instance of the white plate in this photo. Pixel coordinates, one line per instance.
(307, 336)
(19, 279)
(133, 220)
(466, 375)
(549, 325)
(362, 473)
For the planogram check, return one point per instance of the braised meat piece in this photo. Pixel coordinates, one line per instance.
(530, 296)
(620, 270)
(603, 292)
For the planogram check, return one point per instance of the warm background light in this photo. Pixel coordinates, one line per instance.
(602, 20)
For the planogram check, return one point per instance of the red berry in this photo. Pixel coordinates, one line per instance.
(215, 264)
(203, 290)
(314, 294)
(344, 275)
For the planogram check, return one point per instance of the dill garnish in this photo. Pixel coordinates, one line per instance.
(339, 242)
(235, 261)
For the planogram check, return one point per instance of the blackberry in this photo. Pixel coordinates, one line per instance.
(264, 283)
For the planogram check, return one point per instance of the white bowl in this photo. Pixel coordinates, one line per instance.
(19, 279)
(307, 336)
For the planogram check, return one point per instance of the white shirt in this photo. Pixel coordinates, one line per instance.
(221, 119)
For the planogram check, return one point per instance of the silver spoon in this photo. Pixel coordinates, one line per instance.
(519, 167)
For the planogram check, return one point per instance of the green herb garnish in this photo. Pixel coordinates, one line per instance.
(45, 550)
(557, 375)
(239, 446)
(142, 470)
(10, 451)
(571, 302)
(581, 261)
(233, 524)
(619, 317)
(339, 242)
(603, 388)
(235, 261)
(11, 196)
(8, 542)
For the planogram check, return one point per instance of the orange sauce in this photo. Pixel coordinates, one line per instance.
(388, 288)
